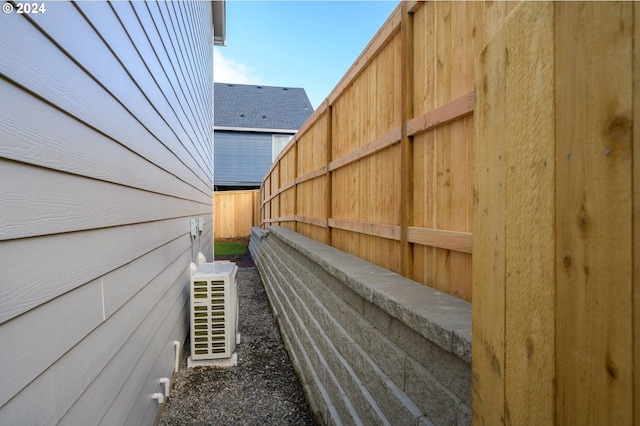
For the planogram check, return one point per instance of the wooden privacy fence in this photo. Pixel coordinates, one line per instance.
(535, 173)
(235, 212)
(383, 168)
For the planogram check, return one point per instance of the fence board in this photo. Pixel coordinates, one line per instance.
(461, 165)
(423, 63)
(636, 211)
(529, 221)
(489, 232)
(594, 246)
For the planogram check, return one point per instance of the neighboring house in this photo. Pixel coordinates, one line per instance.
(105, 156)
(251, 126)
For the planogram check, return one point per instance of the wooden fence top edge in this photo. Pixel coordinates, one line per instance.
(236, 191)
(379, 41)
(315, 116)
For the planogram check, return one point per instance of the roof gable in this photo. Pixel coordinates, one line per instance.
(260, 107)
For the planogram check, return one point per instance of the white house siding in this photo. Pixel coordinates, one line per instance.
(105, 155)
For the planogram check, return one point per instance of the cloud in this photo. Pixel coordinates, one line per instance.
(229, 71)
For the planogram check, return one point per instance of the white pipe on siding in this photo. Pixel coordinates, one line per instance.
(176, 365)
(167, 385)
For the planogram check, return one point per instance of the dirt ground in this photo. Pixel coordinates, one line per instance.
(242, 260)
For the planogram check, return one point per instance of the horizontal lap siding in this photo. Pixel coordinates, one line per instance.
(106, 153)
(55, 140)
(241, 158)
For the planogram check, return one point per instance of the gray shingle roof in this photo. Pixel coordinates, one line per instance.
(262, 107)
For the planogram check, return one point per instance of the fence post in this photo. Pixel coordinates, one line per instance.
(406, 143)
(295, 185)
(328, 201)
(278, 186)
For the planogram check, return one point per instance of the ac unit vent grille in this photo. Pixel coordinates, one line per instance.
(214, 306)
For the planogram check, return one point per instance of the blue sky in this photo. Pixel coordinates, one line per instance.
(308, 44)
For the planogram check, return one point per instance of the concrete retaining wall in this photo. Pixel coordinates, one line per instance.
(370, 346)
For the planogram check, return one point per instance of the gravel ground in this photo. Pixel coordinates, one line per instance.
(262, 389)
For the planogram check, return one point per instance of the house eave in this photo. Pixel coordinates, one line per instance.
(254, 129)
(219, 12)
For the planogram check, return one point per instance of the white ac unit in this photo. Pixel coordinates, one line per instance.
(214, 311)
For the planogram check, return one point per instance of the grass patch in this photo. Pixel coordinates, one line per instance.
(228, 249)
